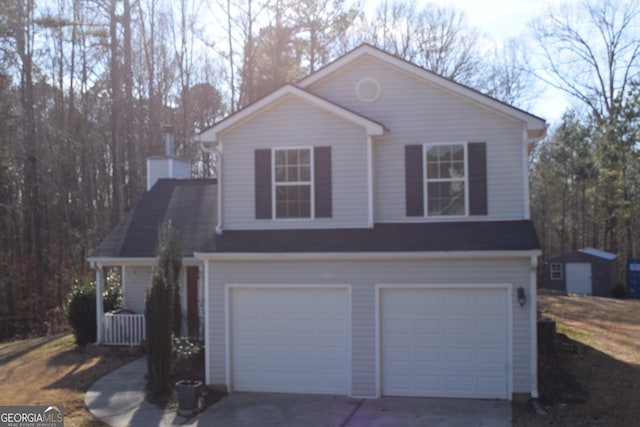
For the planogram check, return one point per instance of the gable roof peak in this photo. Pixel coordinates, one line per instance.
(372, 127)
(536, 126)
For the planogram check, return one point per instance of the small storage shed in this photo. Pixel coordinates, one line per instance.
(587, 271)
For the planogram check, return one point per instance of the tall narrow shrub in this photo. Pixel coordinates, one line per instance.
(161, 314)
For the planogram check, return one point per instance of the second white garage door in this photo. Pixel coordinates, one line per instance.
(289, 339)
(444, 342)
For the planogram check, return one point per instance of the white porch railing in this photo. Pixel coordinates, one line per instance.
(123, 329)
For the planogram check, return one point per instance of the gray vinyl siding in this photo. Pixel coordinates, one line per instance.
(294, 123)
(136, 282)
(362, 276)
(416, 112)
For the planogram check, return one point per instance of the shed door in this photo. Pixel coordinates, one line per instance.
(579, 278)
(290, 339)
(445, 342)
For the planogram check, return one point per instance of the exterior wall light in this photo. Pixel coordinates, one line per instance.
(521, 298)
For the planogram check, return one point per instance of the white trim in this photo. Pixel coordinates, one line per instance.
(533, 326)
(311, 183)
(99, 302)
(551, 265)
(207, 338)
(142, 261)
(148, 174)
(228, 288)
(426, 180)
(525, 175)
(531, 121)
(212, 134)
(227, 337)
(123, 284)
(370, 176)
(219, 157)
(358, 90)
(509, 326)
(360, 256)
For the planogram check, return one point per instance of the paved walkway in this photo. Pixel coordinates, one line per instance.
(118, 399)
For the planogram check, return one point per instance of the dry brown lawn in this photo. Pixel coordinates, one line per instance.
(52, 371)
(593, 378)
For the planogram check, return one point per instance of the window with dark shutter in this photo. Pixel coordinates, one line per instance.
(477, 178)
(263, 184)
(414, 180)
(322, 178)
(445, 181)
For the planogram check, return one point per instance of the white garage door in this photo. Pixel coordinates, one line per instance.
(289, 339)
(444, 342)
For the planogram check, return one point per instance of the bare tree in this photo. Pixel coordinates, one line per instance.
(590, 50)
(441, 40)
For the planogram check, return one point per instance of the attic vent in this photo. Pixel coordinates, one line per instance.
(368, 90)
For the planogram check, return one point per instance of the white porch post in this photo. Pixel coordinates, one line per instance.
(99, 303)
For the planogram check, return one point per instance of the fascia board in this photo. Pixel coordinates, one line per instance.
(360, 256)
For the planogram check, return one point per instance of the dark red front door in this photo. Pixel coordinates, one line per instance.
(193, 320)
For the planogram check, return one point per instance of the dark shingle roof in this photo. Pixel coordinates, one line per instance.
(190, 204)
(396, 237)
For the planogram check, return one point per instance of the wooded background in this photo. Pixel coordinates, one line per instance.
(86, 85)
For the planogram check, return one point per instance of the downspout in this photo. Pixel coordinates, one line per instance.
(99, 303)
(533, 324)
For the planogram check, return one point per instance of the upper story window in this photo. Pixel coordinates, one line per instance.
(446, 180)
(556, 271)
(446, 183)
(293, 182)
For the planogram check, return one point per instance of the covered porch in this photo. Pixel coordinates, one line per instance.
(126, 327)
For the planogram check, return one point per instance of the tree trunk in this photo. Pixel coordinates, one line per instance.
(116, 178)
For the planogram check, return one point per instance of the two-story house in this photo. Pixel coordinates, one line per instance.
(368, 234)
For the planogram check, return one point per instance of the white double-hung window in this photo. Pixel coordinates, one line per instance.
(446, 179)
(293, 182)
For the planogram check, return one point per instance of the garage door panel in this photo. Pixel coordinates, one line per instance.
(289, 339)
(460, 353)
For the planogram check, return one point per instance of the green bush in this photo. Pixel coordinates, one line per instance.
(81, 305)
(81, 312)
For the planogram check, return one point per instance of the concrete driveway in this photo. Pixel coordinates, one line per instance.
(281, 410)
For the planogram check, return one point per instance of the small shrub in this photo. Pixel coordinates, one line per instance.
(81, 312)
(112, 293)
(619, 291)
(188, 358)
(81, 306)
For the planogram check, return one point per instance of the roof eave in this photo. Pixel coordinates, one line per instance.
(363, 256)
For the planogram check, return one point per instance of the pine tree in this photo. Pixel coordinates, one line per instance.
(163, 314)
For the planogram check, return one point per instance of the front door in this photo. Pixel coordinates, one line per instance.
(579, 278)
(193, 319)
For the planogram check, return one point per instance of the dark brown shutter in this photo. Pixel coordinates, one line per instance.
(322, 181)
(477, 152)
(414, 180)
(263, 183)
